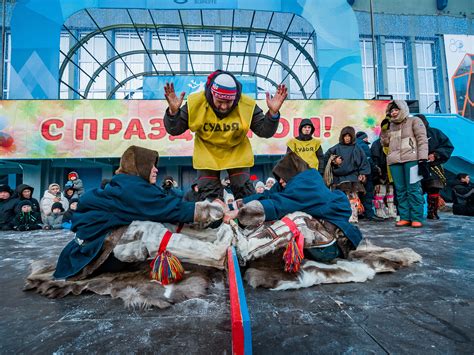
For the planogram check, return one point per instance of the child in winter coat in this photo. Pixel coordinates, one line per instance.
(67, 217)
(75, 183)
(347, 168)
(55, 219)
(26, 219)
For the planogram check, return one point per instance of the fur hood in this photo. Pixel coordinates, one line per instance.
(305, 137)
(138, 161)
(347, 130)
(402, 106)
(289, 166)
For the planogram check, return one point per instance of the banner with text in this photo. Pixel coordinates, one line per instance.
(105, 128)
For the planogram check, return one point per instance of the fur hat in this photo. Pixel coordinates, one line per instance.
(289, 166)
(138, 161)
(347, 130)
(5, 188)
(57, 205)
(402, 106)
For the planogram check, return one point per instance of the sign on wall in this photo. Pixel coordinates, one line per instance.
(105, 128)
(459, 61)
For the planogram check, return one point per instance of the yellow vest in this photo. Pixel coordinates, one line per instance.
(306, 150)
(389, 173)
(220, 144)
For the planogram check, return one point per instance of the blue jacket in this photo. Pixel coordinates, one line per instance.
(307, 192)
(125, 199)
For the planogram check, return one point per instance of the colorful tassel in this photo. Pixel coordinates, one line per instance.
(292, 256)
(165, 267)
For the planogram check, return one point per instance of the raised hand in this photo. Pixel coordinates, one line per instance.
(174, 101)
(274, 103)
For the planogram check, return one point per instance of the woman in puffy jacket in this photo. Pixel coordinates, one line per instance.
(407, 158)
(52, 195)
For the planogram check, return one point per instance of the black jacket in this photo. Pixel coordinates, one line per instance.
(379, 159)
(7, 212)
(35, 207)
(27, 221)
(263, 125)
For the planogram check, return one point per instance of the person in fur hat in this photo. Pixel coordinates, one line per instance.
(131, 195)
(8, 204)
(26, 219)
(25, 192)
(407, 153)
(55, 219)
(221, 117)
(52, 195)
(347, 169)
(67, 217)
(303, 190)
(440, 149)
(307, 147)
(463, 195)
(75, 183)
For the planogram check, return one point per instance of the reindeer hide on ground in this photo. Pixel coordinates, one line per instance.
(362, 265)
(134, 287)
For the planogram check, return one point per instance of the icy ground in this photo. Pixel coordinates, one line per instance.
(428, 308)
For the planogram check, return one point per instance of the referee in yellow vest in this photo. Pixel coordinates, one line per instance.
(307, 147)
(220, 116)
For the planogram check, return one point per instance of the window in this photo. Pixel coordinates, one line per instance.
(426, 75)
(397, 69)
(64, 46)
(302, 68)
(367, 67)
(269, 47)
(97, 47)
(170, 41)
(126, 42)
(201, 42)
(239, 42)
(6, 67)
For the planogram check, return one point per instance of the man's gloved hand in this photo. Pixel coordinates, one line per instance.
(424, 169)
(251, 214)
(207, 212)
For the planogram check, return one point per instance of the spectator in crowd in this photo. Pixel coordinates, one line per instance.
(347, 168)
(463, 195)
(384, 199)
(131, 195)
(259, 187)
(52, 195)
(307, 147)
(170, 187)
(67, 217)
(55, 218)
(8, 204)
(25, 192)
(75, 183)
(193, 194)
(269, 183)
(407, 158)
(440, 149)
(362, 140)
(221, 117)
(70, 193)
(26, 219)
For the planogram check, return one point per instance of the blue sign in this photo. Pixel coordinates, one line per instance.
(153, 86)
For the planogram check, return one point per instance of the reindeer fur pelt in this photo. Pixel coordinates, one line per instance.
(133, 287)
(362, 265)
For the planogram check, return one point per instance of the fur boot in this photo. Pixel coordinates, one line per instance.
(433, 202)
(381, 209)
(354, 200)
(392, 209)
